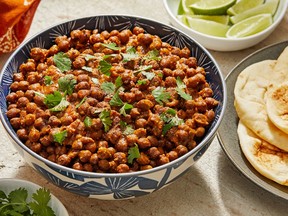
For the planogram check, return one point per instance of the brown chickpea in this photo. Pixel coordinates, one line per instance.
(84, 155)
(122, 168)
(63, 160)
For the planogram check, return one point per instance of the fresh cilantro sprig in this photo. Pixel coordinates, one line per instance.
(60, 136)
(108, 87)
(130, 54)
(180, 89)
(112, 46)
(56, 102)
(161, 95)
(133, 153)
(87, 121)
(15, 203)
(152, 55)
(67, 84)
(48, 80)
(170, 119)
(105, 119)
(116, 100)
(81, 102)
(126, 107)
(105, 67)
(62, 61)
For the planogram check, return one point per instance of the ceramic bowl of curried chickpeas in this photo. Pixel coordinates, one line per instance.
(111, 107)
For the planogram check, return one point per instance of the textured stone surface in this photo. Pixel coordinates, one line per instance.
(212, 187)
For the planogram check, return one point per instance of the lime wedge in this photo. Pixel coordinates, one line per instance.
(183, 19)
(183, 7)
(250, 26)
(208, 27)
(212, 7)
(224, 19)
(243, 5)
(270, 6)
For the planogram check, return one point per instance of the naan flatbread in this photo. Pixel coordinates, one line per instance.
(267, 159)
(250, 90)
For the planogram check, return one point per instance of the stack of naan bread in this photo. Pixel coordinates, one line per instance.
(261, 102)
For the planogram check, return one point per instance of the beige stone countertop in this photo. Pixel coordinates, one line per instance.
(213, 186)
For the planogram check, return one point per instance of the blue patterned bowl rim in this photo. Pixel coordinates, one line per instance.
(208, 137)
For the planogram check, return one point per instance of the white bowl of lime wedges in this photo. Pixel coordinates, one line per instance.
(226, 25)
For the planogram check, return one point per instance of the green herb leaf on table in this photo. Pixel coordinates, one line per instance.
(180, 89)
(130, 54)
(133, 153)
(87, 121)
(40, 205)
(48, 80)
(67, 83)
(108, 87)
(105, 67)
(161, 95)
(105, 119)
(60, 136)
(62, 61)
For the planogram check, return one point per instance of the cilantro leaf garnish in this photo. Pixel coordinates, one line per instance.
(148, 75)
(52, 100)
(89, 57)
(116, 100)
(118, 82)
(161, 95)
(87, 121)
(48, 80)
(112, 46)
(105, 119)
(143, 68)
(128, 130)
(108, 87)
(62, 61)
(152, 55)
(95, 80)
(133, 153)
(170, 119)
(104, 67)
(180, 89)
(130, 54)
(125, 108)
(88, 69)
(61, 106)
(15, 203)
(81, 102)
(141, 82)
(67, 83)
(60, 136)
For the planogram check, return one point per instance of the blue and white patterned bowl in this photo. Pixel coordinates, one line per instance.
(107, 185)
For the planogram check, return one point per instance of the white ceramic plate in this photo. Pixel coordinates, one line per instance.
(227, 132)
(9, 184)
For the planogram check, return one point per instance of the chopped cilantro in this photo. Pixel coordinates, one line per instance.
(112, 46)
(108, 87)
(130, 54)
(170, 119)
(105, 67)
(152, 55)
(87, 121)
(161, 95)
(105, 119)
(48, 80)
(81, 102)
(52, 100)
(60, 136)
(128, 130)
(125, 108)
(67, 83)
(133, 153)
(148, 75)
(95, 80)
(89, 57)
(141, 82)
(118, 82)
(62, 61)
(15, 203)
(88, 69)
(143, 68)
(61, 106)
(116, 100)
(180, 89)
